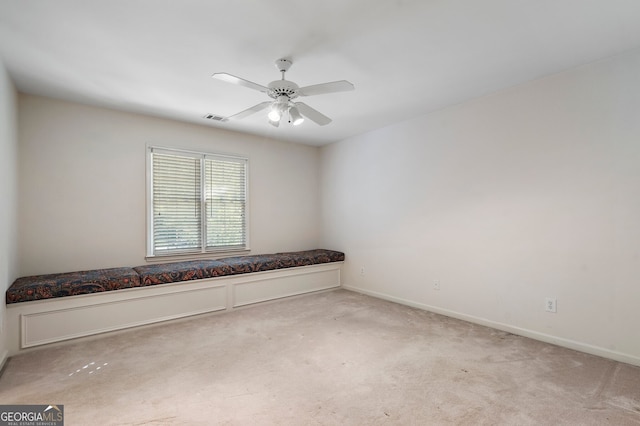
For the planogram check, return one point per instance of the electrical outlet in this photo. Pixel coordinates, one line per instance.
(550, 304)
(362, 271)
(436, 284)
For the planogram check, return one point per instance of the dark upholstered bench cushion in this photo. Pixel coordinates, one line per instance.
(309, 257)
(163, 273)
(84, 282)
(39, 287)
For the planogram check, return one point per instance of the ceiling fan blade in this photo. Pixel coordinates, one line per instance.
(319, 89)
(247, 112)
(240, 81)
(312, 114)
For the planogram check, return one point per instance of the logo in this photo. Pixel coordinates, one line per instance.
(31, 415)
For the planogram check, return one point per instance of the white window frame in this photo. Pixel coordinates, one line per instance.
(202, 251)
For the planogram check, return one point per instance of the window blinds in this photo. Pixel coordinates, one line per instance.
(198, 202)
(225, 203)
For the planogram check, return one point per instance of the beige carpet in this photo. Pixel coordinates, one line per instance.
(334, 358)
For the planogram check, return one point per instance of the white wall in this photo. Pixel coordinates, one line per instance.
(530, 193)
(82, 185)
(8, 194)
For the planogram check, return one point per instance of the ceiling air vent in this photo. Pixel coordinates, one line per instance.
(214, 117)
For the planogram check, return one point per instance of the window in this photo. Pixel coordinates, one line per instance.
(197, 203)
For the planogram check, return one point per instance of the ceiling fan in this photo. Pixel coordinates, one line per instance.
(283, 92)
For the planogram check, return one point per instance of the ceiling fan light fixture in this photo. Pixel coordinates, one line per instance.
(278, 109)
(295, 116)
(274, 114)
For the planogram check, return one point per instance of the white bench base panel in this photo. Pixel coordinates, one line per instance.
(41, 322)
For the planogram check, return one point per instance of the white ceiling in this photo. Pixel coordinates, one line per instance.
(405, 57)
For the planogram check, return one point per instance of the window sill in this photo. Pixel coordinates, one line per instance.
(196, 256)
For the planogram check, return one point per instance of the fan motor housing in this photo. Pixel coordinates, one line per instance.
(283, 88)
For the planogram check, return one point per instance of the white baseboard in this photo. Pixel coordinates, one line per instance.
(37, 323)
(547, 338)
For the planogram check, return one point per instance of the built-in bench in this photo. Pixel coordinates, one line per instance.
(39, 311)
(39, 287)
